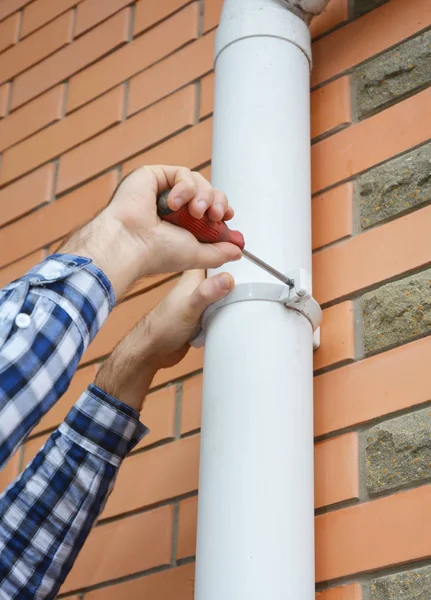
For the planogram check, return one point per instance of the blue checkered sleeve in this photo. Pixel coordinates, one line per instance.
(47, 513)
(47, 319)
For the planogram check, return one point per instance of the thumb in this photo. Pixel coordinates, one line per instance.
(209, 291)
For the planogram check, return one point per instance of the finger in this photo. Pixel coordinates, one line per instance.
(219, 207)
(211, 256)
(229, 214)
(209, 291)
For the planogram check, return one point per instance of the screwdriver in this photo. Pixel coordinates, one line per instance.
(211, 232)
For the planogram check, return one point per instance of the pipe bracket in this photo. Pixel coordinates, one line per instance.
(298, 298)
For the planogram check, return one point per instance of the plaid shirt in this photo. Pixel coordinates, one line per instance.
(47, 319)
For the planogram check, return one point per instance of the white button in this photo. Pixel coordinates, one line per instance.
(22, 321)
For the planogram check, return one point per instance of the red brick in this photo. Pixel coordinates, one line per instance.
(190, 364)
(190, 148)
(56, 219)
(374, 256)
(170, 74)
(346, 592)
(27, 193)
(149, 282)
(191, 404)
(399, 523)
(150, 12)
(337, 336)
(175, 583)
(332, 215)
(35, 48)
(40, 12)
(158, 415)
(73, 58)
(7, 7)
(20, 268)
(371, 142)
(187, 528)
(170, 471)
(212, 12)
(206, 172)
(363, 38)
(79, 383)
(4, 99)
(10, 471)
(336, 470)
(132, 136)
(122, 548)
(32, 117)
(123, 318)
(336, 13)
(134, 57)
(9, 29)
(67, 133)
(331, 107)
(372, 388)
(92, 12)
(207, 95)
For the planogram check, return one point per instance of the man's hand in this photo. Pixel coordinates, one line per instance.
(128, 240)
(160, 340)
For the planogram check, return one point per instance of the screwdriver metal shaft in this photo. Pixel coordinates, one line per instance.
(266, 267)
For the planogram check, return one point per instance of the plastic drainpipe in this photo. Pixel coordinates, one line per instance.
(256, 501)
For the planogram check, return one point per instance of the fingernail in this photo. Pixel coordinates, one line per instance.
(225, 281)
(178, 201)
(219, 208)
(202, 205)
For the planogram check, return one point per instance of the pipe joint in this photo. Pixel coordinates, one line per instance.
(298, 298)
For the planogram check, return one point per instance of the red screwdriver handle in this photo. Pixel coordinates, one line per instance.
(204, 229)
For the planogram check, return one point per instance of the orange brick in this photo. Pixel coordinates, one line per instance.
(20, 268)
(338, 336)
(364, 37)
(336, 470)
(81, 380)
(187, 528)
(122, 319)
(372, 388)
(212, 12)
(32, 117)
(373, 256)
(336, 13)
(371, 142)
(158, 415)
(24, 195)
(7, 7)
(35, 48)
(4, 99)
(331, 107)
(73, 58)
(207, 96)
(9, 31)
(55, 220)
(122, 548)
(191, 410)
(346, 592)
(67, 133)
(332, 215)
(170, 74)
(150, 12)
(400, 523)
(134, 57)
(91, 12)
(10, 471)
(170, 471)
(132, 136)
(190, 148)
(206, 172)
(190, 364)
(175, 583)
(147, 283)
(42, 11)
(32, 447)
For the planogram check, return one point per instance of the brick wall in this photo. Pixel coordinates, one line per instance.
(90, 89)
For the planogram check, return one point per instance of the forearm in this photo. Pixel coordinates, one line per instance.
(48, 512)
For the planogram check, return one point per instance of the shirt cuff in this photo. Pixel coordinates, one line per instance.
(103, 425)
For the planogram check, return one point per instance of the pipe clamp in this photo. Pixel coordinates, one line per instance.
(298, 298)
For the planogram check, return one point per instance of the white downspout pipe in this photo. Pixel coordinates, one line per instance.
(256, 505)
